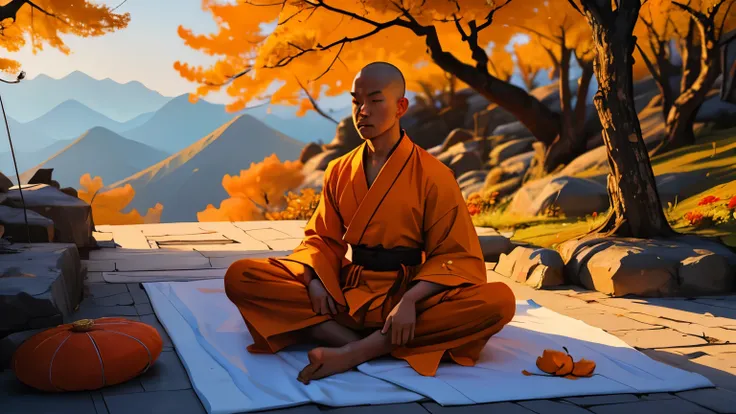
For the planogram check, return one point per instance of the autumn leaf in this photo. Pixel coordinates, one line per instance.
(48, 22)
(107, 205)
(561, 364)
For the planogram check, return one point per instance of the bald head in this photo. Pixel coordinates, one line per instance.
(387, 75)
(378, 99)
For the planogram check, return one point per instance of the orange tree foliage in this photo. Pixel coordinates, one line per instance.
(45, 21)
(107, 206)
(323, 44)
(256, 192)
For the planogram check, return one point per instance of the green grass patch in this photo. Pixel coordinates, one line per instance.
(715, 153)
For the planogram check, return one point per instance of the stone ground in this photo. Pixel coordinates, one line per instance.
(693, 334)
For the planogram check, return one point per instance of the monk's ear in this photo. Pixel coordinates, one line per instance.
(402, 106)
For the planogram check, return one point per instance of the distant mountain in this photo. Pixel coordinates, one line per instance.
(189, 180)
(311, 127)
(71, 119)
(179, 124)
(137, 121)
(26, 138)
(121, 102)
(100, 152)
(29, 159)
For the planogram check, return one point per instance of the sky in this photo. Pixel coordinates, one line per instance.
(144, 51)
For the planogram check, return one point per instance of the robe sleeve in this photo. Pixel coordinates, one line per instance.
(323, 247)
(453, 253)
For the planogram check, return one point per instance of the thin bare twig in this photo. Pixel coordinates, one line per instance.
(313, 102)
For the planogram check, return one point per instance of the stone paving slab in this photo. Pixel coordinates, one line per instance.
(648, 407)
(677, 330)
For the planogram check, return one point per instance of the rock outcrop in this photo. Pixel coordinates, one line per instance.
(40, 285)
(535, 267)
(681, 266)
(72, 217)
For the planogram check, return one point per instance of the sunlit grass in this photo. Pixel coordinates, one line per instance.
(714, 153)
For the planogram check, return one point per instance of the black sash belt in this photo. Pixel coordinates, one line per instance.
(382, 260)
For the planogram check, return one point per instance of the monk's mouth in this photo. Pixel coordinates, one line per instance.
(360, 126)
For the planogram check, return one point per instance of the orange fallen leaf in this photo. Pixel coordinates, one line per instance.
(559, 364)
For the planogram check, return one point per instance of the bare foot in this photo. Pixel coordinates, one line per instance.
(324, 362)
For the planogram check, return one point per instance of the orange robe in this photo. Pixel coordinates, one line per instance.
(414, 202)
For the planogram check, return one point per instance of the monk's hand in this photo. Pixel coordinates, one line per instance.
(322, 302)
(401, 322)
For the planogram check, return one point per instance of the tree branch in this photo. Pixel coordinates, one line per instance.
(230, 78)
(489, 17)
(313, 102)
(648, 62)
(331, 63)
(725, 16)
(10, 10)
(575, 6)
(556, 41)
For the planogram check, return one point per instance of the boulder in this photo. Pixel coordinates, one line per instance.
(535, 267)
(472, 177)
(517, 165)
(505, 187)
(491, 117)
(40, 285)
(315, 180)
(471, 182)
(456, 136)
(468, 146)
(346, 136)
(309, 151)
(467, 161)
(72, 217)
(5, 183)
(513, 129)
(717, 111)
(492, 243)
(319, 162)
(509, 149)
(14, 223)
(679, 266)
(575, 197)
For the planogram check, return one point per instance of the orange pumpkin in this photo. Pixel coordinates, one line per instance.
(87, 354)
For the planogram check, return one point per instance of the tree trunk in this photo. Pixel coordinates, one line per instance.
(635, 204)
(572, 140)
(581, 105)
(701, 66)
(541, 121)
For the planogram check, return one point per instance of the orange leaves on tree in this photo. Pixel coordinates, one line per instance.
(107, 206)
(256, 191)
(265, 59)
(45, 21)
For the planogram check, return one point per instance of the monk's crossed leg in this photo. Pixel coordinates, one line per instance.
(457, 324)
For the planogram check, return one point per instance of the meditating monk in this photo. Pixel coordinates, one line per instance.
(415, 286)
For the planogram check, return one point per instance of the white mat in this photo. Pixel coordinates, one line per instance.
(210, 337)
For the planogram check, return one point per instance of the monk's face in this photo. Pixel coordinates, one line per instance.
(378, 103)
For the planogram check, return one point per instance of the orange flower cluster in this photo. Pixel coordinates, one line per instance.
(715, 213)
(478, 204)
(298, 206)
(695, 218)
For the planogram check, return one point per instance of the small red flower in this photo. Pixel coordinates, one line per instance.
(473, 209)
(595, 214)
(694, 217)
(709, 200)
(732, 203)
